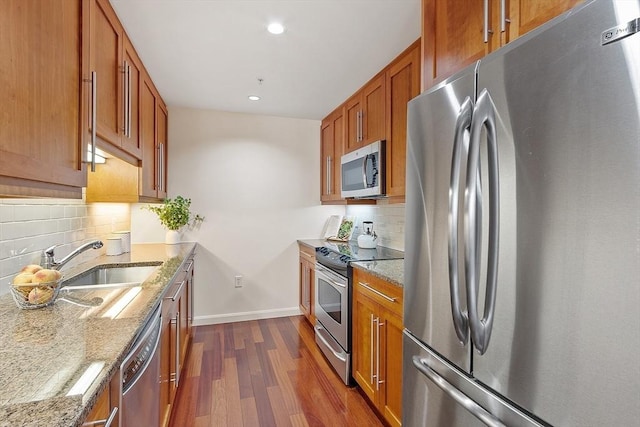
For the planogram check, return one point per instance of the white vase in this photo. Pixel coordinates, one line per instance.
(172, 237)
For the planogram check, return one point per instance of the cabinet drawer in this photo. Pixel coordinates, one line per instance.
(307, 253)
(384, 293)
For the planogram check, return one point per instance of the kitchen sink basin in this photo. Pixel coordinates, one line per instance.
(111, 276)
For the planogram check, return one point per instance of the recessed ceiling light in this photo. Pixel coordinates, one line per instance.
(275, 28)
(254, 98)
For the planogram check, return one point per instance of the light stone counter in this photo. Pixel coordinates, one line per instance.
(390, 270)
(43, 352)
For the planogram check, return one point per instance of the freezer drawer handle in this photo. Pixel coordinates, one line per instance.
(461, 398)
(460, 316)
(483, 116)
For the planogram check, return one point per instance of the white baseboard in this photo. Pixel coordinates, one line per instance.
(215, 319)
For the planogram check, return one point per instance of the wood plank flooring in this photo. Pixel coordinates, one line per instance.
(264, 373)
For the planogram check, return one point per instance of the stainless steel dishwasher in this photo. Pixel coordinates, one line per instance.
(139, 374)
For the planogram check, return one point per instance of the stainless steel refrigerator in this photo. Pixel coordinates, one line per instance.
(522, 247)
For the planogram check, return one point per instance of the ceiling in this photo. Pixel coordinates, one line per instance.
(210, 54)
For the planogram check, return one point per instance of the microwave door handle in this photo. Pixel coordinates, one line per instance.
(364, 171)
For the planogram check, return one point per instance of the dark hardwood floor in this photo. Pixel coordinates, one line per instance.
(264, 373)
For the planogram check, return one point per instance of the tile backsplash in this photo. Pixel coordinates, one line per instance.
(388, 222)
(28, 226)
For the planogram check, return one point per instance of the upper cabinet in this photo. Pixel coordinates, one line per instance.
(41, 135)
(402, 85)
(365, 113)
(454, 37)
(378, 111)
(331, 148)
(153, 140)
(116, 69)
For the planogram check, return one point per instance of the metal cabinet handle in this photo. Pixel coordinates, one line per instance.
(189, 266)
(503, 16)
(486, 30)
(372, 375)
(483, 116)
(94, 117)
(463, 124)
(329, 177)
(175, 296)
(128, 121)
(105, 423)
(377, 292)
(125, 101)
(378, 380)
(307, 255)
(177, 376)
(461, 398)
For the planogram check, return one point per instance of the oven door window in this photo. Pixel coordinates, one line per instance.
(330, 300)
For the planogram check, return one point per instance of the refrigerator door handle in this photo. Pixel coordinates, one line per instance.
(483, 116)
(462, 399)
(460, 316)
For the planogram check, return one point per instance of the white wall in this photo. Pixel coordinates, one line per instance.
(256, 179)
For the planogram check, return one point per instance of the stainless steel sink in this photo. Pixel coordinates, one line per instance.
(112, 276)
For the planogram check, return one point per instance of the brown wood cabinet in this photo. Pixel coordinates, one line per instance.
(365, 114)
(175, 335)
(377, 343)
(105, 410)
(456, 35)
(116, 69)
(402, 85)
(307, 282)
(153, 139)
(331, 149)
(42, 140)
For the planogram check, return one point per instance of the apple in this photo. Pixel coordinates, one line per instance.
(40, 295)
(31, 268)
(46, 276)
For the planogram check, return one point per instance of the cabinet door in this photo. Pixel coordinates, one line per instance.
(453, 37)
(43, 107)
(354, 129)
(132, 67)
(149, 172)
(390, 397)
(403, 84)
(525, 15)
(364, 331)
(374, 111)
(331, 140)
(106, 60)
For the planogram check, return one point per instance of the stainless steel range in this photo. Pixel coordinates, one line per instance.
(333, 295)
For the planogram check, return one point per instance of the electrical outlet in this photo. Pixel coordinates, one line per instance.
(238, 281)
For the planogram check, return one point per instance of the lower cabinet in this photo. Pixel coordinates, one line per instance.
(105, 410)
(307, 279)
(176, 317)
(377, 343)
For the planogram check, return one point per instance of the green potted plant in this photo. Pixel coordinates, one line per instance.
(174, 214)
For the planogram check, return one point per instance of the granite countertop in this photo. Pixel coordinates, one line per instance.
(43, 352)
(391, 270)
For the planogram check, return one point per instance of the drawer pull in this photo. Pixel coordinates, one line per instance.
(377, 292)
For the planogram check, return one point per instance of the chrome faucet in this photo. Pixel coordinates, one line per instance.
(48, 256)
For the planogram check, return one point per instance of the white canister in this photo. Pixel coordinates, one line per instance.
(114, 246)
(126, 240)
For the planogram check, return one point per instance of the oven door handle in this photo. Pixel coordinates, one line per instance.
(328, 279)
(339, 354)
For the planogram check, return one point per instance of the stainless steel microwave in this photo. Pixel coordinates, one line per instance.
(363, 171)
